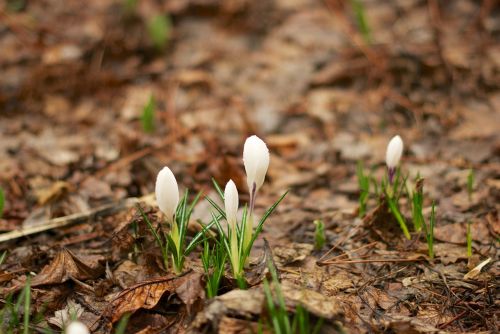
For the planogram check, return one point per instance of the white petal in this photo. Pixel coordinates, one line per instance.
(167, 192)
(394, 152)
(256, 161)
(231, 202)
(76, 327)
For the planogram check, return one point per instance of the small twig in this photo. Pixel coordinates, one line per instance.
(370, 261)
(346, 253)
(446, 324)
(72, 219)
(338, 244)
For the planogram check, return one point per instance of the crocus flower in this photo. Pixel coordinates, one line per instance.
(231, 206)
(256, 161)
(231, 203)
(167, 192)
(393, 155)
(76, 327)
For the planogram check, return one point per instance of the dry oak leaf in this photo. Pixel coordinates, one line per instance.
(63, 267)
(147, 294)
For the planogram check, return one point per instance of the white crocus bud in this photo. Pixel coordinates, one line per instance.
(256, 161)
(394, 152)
(167, 192)
(393, 155)
(231, 203)
(76, 327)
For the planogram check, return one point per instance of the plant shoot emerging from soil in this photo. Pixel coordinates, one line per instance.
(177, 215)
(279, 319)
(148, 115)
(213, 260)
(319, 234)
(470, 183)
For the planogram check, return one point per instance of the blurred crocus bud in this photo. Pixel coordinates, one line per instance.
(256, 160)
(231, 202)
(393, 155)
(167, 192)
(76, 327)
(394, 152)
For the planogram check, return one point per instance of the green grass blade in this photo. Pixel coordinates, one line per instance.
(27, 301)
(122, 324)
(216, 207)
(218, 189)
(148, 116)
(159, 28)
(3, 256)
(397, 214)
(198, 237)
(151, 228)
(432, 222)
(360, 15)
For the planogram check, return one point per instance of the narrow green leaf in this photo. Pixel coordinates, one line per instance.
(148, 116)
(218, 189)
(319, 234)
(122, 324)
(27, 301)
(360, 15)
(395, 212)
(159, 28)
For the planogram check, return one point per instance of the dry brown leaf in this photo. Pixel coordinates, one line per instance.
(128, 273)
(316, 303)
(62, 317)
(410, 325)
(148, 294)
(191, 290)
(335, 283)
(67, 266)
(293, 252)
(449, 253)
(242, 303)
(457, 233)
(229, 325)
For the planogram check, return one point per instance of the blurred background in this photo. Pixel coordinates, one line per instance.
(97, 95)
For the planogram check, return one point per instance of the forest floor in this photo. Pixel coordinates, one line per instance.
(324, 83)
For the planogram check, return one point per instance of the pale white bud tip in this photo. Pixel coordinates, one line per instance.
(76, 327)
(231, 202)
(394, 152)
(256, 161)
(167, 192)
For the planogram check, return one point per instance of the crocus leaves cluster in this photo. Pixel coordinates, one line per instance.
(239, 237)
(177, 214)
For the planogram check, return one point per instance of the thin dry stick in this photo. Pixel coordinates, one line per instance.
(338, 244)
(371, 261)
(349, 253)
(446, 324)
(75, 218)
